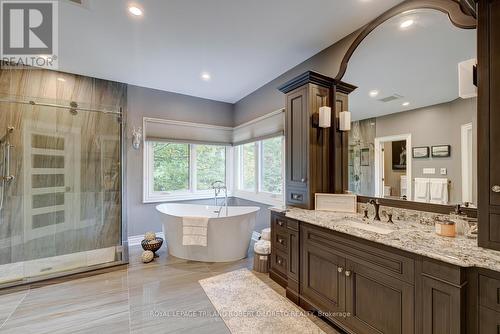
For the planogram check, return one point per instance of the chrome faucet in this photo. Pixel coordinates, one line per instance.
(218, 186)
(376, 205)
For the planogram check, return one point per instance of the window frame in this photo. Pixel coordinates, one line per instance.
(151, 196)
(258, 195)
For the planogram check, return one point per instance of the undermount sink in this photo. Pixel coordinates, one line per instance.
(371, 228)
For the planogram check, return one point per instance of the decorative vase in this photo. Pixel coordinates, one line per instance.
(152, 245)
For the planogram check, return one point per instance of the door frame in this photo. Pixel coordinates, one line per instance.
(466, 131)
(379, 166)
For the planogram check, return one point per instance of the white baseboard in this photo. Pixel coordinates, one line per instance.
(135, 240)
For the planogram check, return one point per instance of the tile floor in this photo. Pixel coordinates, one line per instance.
(144, 298)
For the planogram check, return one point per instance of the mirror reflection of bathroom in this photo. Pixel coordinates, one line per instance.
(414, 113)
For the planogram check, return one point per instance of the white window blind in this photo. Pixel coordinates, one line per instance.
(161, 130)
(267, 126)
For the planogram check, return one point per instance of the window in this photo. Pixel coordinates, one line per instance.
(272, 165)
(210, 165)
(248, 167)
(171, 167)
(177, 171)
(260, 170)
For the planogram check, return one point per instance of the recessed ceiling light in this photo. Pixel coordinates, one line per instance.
(135, 10)
(206, 76)
(406, 104)
(407, 23)
(61, 79)
(374, 93)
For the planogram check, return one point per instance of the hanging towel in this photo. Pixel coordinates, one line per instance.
(421, 190)
(194, 231)
(438, 191)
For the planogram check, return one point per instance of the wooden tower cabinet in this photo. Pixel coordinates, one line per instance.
(314, 156)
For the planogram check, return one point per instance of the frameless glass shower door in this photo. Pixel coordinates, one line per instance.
(60, 189)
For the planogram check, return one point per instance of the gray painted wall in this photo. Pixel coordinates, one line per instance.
(144, 102)
(436, 125)
(267, 98)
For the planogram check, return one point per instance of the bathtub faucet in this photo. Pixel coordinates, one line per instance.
(218, 186)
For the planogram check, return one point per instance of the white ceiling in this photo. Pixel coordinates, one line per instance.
(243, 44)
(419, 63)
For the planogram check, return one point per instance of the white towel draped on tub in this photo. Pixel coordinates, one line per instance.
(422, 190)
(194, 231)
(438, 191)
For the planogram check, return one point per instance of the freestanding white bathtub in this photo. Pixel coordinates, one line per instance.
(228, 236)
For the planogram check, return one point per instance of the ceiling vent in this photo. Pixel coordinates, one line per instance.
(391, 98)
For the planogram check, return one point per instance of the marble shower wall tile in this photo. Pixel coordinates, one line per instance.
(95, 161)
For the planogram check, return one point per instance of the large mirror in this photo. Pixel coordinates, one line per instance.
(414, 130)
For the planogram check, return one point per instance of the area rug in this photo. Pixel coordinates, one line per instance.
(248, 305)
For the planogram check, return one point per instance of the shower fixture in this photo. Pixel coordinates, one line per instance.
(5, 177)
(73, 108)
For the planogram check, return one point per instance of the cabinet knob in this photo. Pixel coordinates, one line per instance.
(279, 261)
(348, 273)
(495, 189)
(281, 241)
(303, 180)
(340, 269)
(280, 223)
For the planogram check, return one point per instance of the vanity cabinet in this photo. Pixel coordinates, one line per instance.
(488, 123)
(364, 287)
(489, 303)
(285, 254)
(340, 276)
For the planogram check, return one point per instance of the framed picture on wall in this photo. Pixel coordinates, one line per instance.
(421, 152)
(441, 151)
(365, 157)
(399, 155)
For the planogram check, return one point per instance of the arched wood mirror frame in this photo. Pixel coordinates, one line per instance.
(462, 14)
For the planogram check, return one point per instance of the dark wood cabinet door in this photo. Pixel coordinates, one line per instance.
(489, 123)
(489, 321)
(322, 278)
(293, 255)
(442, 307)
(378, 303)
(297, 134)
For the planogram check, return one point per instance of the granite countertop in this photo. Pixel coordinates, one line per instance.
(410, 236)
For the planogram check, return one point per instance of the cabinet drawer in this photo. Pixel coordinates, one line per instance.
(489, 321)
(281, 240)
(489, 292)
(279, 262)
(389, 263)
(279, 222)
(444, 271)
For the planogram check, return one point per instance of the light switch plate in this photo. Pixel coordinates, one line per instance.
(428, 171)
(444, 171)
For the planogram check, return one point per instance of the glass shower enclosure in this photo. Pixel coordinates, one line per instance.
(60, 188)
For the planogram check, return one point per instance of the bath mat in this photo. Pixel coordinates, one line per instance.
(247, 305)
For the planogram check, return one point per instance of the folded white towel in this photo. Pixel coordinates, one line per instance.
(194, 231)
(421, 190)
(266, 234)
(438, 191)
(262, 247)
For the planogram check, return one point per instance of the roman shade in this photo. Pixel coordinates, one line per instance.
(195, 133)
(267, 126)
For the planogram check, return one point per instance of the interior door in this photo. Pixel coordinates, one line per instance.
(365, 289)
